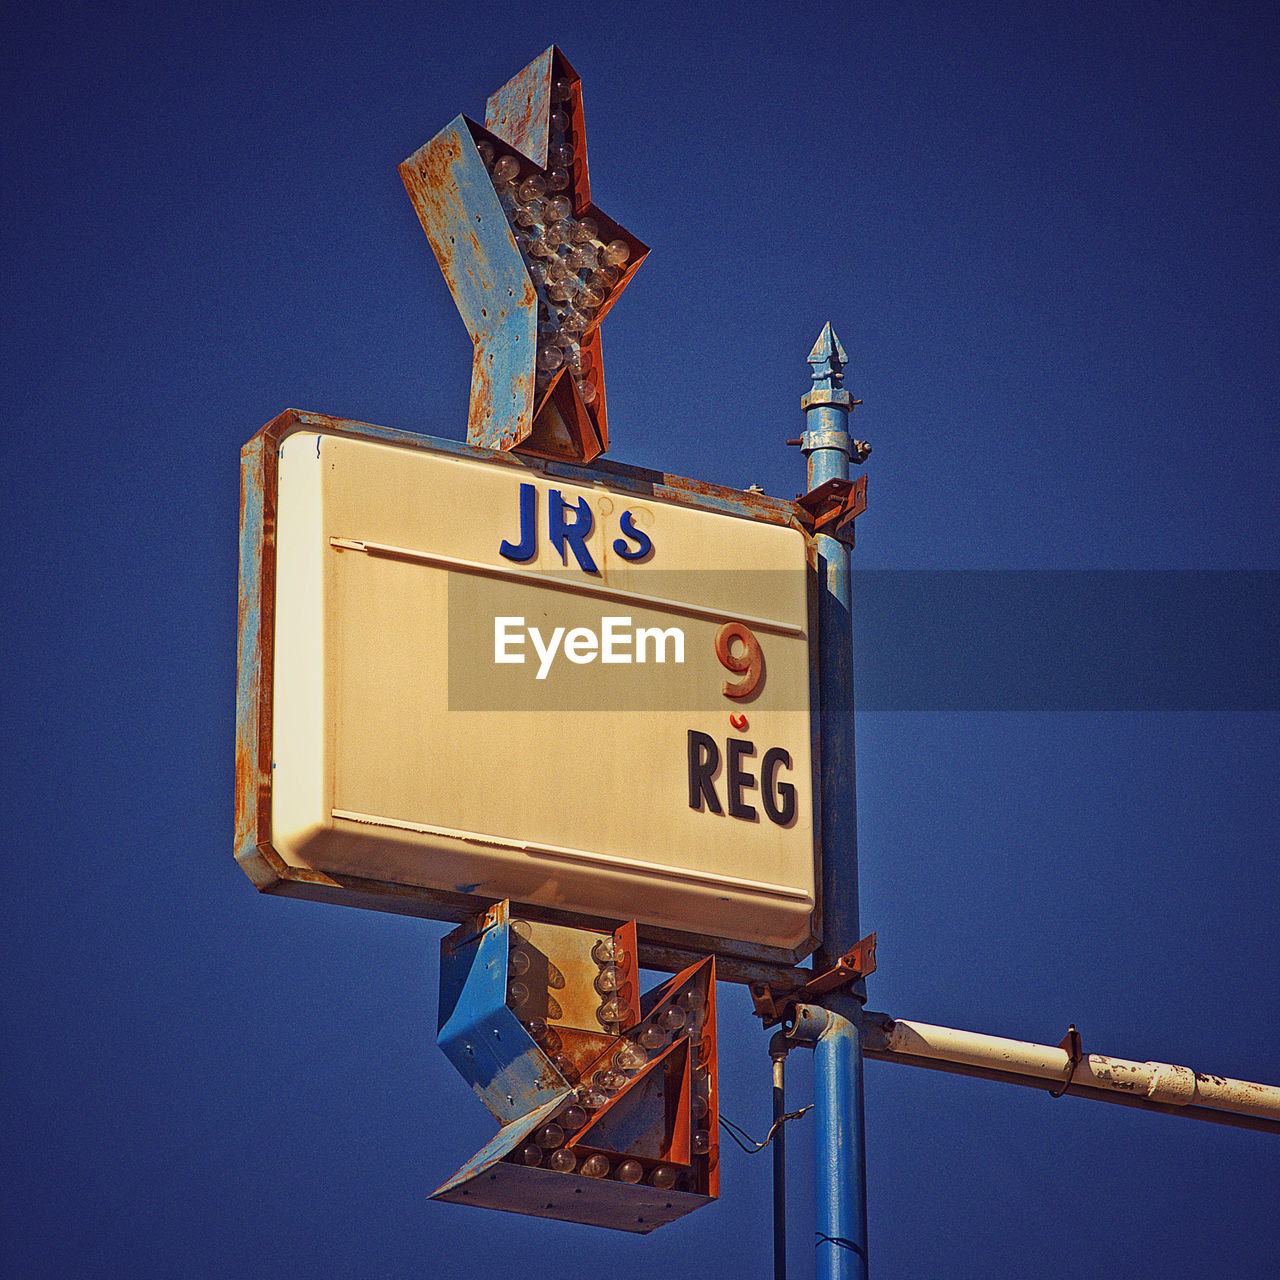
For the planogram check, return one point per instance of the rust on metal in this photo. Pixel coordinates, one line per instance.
(628, 963)
(772, 1007)
(468, 230)
(653, 1106)
(832, 507)
(519, 113)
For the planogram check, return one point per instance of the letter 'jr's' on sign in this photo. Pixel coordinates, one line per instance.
(532, 264)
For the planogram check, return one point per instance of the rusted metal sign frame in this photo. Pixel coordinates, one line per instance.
(661, 949)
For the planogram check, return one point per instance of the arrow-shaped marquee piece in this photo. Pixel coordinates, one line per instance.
(607, 1100)
(533, 265)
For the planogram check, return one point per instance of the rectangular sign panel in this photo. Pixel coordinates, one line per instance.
(468, 676)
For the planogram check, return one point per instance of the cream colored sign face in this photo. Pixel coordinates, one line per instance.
(494, 682)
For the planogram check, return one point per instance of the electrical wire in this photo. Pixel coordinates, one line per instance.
(734, 1130)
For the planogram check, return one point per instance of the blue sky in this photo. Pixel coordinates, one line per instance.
(1045, 235)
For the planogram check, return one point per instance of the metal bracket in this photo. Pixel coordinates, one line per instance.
(832, 507)
(773, 1007)
(1071, 1046)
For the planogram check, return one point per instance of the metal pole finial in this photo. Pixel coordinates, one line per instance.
(828, 359)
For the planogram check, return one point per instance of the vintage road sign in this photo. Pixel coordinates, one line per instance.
(468, 676)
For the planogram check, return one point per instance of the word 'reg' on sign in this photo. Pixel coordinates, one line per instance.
(777, 797)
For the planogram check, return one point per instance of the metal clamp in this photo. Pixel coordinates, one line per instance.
(1070, 1045)
(774, 1007)
(832, 507)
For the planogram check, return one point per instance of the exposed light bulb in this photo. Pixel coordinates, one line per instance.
(596, 1166)
(588, 230)
(653, 1036)
(561, 90)
(587, 391)
(559, 290)
(562, 1161)
(559, 207)
(631, 1057)
(690, 999)
(663, 1177)
(537, 1028)
(609, 1011)
(518, 961)
(590, 298)
(558, 179)
(672, 1017)
(602, 952)
(582, 257)
(550, 1135)
(517, 994)
(607, 979)
(528, 215)
(700, 1142)
(486, 153)
(629, 1171)
(559, 121)
(550, 358)
(611, 1079)
(559, 155)
(572, 1118)
(699, 1106)
(531, 1154)
(534, 187)
(616, 252)
(593, 1099)
(506, 169)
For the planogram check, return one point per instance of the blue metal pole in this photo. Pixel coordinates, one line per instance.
(841, 1195)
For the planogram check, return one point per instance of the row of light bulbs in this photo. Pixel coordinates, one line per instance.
(685, 1015)
(597, 1165)
(572, 268)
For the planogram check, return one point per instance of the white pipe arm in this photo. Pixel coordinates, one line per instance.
(1155, 1084)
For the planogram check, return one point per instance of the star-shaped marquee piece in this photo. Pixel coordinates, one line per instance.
(533, 265)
